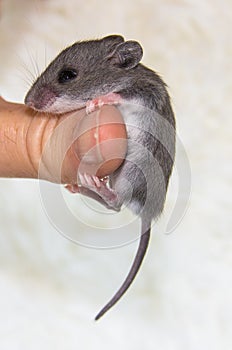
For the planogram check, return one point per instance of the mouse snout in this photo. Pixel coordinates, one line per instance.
(40, 100)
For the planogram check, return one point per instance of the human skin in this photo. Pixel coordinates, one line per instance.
(38, 145)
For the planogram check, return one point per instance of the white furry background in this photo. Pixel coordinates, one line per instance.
(50, 288)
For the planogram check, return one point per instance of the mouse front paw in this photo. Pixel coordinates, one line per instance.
(108, 99)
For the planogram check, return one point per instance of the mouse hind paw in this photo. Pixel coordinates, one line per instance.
(100, 187)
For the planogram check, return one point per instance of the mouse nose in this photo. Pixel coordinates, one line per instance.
(29, 104)
(27, 100)
(40, 100)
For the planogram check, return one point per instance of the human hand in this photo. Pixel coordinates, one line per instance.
(39, 145)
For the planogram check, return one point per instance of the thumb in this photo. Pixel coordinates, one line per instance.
(94, 143)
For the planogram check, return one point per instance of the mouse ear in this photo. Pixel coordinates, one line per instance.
(127, 55)
(113, 39)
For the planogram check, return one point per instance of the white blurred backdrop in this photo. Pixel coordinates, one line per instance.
(50, 288)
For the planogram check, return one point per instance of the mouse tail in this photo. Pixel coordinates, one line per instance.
(141, 251)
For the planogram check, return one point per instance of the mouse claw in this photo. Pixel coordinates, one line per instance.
(73, 188)
(89, 181)
(100, 187)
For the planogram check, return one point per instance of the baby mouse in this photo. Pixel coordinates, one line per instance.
(91, 73)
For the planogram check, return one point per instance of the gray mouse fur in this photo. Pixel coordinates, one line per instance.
(89, 69)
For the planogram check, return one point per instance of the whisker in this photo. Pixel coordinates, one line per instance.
(45, 56)
(27, 83)
(25, 72)
(30, 76)
(33, 74)
(33, 63)
(36, 64)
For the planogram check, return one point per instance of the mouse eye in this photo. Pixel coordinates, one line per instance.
(66, 75)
